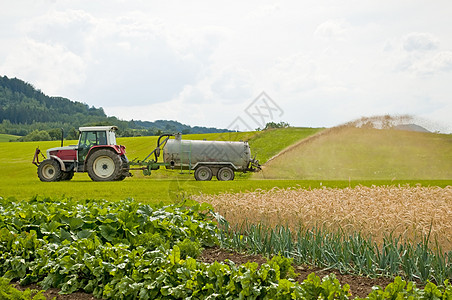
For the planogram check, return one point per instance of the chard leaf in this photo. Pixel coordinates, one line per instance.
(85, 234)
(108, 232)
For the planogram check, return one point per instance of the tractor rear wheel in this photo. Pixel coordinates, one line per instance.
(49, 170)
(104, 165)
(203, 173)
(225, 174)
(125, 169)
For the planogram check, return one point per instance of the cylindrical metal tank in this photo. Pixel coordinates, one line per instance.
(189, 154)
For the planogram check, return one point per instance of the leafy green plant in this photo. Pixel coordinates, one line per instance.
(89, 244)
(8, 292)
(189, 248)
(284, 264)
(327, 288)
(124, 250)
(127, 250)
(400, 289)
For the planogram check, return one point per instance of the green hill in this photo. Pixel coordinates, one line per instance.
(23, 109)
(349, 153)
(266, 144)
(263, 144)
(8, 137)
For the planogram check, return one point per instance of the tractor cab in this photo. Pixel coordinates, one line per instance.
(94, 136)
(95, 153)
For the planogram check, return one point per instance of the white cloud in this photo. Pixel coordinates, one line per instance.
(442, 61)
(128, 58)
(191, 94)
(233, 84)
(419, 41)
(202, 62)
(264, 11)
(294, 74)
(429, 65)
(69, 28)
(332, 29)
(419, 55)
(51, 68)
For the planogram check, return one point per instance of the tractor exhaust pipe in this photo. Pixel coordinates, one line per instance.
(62, 136)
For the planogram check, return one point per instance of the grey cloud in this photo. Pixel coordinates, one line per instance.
(420, 42)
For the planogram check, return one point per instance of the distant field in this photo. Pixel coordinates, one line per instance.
(370, 154)
(8, 137)
(18, 176)
(266, 144)
(19, 179)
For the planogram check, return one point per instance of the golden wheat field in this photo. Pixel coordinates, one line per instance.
(410, 212)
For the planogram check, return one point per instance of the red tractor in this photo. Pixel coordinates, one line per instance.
(95, 153)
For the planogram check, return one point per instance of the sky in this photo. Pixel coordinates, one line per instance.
(237, 64)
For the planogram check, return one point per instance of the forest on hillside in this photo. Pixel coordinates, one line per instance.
(28, 112)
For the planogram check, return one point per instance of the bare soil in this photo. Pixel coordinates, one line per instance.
(359, 286)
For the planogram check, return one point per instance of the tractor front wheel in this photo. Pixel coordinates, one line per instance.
(49, 170)
(104, 165)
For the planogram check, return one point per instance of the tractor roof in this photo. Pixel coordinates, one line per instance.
(98, 128)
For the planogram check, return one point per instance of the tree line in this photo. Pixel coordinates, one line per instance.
(26, 111)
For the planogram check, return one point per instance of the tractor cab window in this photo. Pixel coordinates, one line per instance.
(102, 138)
(89, 139)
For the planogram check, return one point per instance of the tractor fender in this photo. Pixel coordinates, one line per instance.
(63, 167)
(120, 150)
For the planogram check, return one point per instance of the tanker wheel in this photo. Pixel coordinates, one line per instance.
(67, 176)
(225, 174)
(49, 170)
(203, 174)
(104, 165)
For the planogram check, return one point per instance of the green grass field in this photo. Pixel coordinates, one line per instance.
(365, 154)
(268, 143)
(18, 177)
(8, 137)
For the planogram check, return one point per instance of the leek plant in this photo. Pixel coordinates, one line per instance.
(347, 252)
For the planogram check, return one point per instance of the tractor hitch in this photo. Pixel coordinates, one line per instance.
(36, 161)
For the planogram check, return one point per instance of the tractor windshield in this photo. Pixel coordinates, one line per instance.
(92, 138)
(89, 139)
